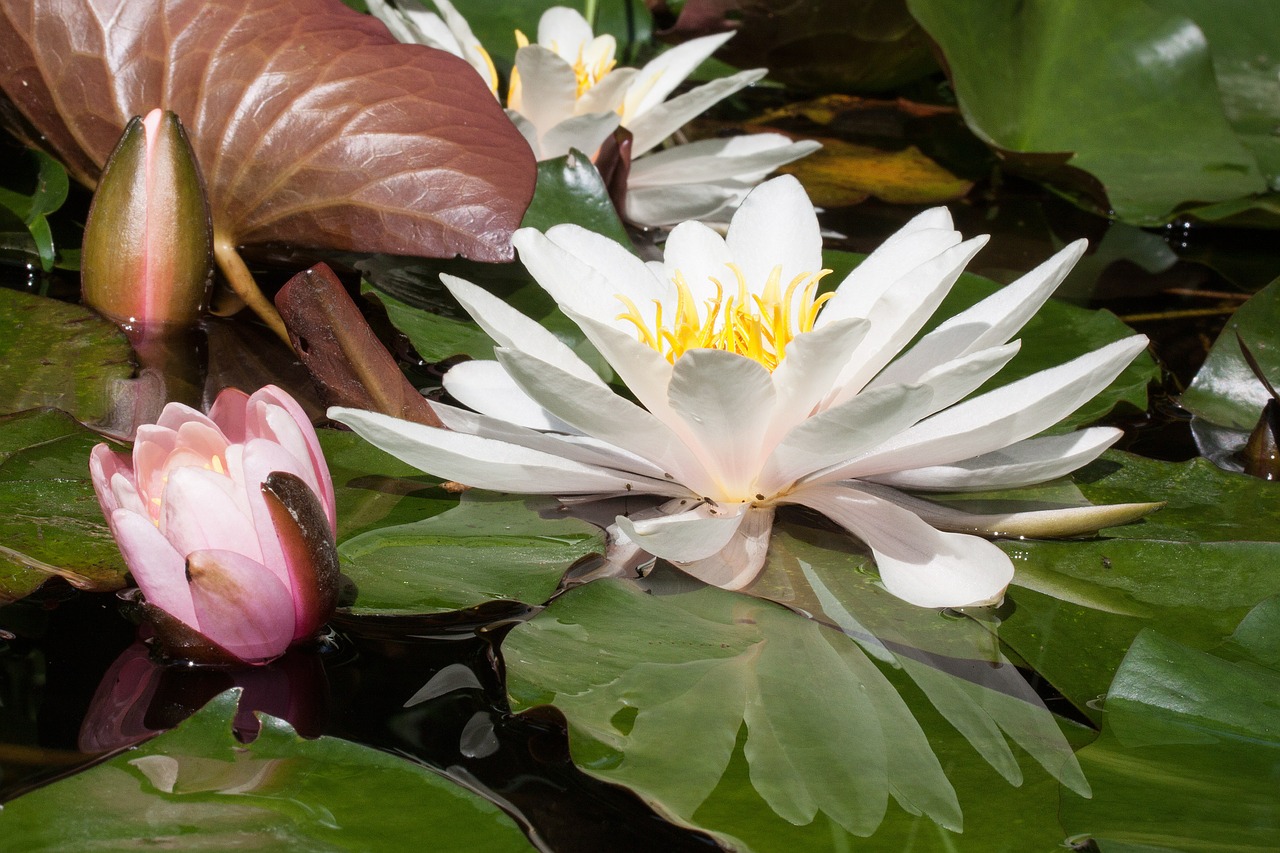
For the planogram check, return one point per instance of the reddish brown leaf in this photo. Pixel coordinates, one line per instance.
(312, 125)
(348, 363)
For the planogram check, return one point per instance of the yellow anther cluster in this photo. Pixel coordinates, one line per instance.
(758, 326)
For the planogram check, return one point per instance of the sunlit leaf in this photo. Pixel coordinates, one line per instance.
(1167, 118)
(843, 173)
(197, 784)
(311, 124)
(1189, 745)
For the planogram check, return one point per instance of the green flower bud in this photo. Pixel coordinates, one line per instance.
(147, 242)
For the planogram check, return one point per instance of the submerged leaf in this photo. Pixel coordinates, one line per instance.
(312, 125)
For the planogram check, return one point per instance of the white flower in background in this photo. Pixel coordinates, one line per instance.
(567, 92)
(754, 392)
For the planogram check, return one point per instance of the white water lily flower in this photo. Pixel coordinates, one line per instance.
(754, 392)
(568, 93)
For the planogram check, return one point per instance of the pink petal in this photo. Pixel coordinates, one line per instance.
(240, 605)
(174, 415)
(228, 412)
(261, 458)
(157, 568)
(104, 464)
(273, 414)
(200, 512)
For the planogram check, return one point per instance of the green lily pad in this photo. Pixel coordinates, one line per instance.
(489, 547)
(777, 733)
(59, 355)
(197, 786)
(570, 190)
(1170, 117)
(50, 521)
(1192, 570)
(1225, 391)
(1191, 740)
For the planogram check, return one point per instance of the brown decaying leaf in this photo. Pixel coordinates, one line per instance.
(348, 362)
(843, 174)
(312, 125)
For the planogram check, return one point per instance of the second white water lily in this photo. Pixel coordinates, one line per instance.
(568, 92)
(753, 392)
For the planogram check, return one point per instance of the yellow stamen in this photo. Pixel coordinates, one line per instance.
(758, 326)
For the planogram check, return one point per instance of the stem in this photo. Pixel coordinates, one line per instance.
(241, 281)
(589, 12)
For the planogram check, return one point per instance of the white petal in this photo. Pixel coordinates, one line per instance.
(528, 131)
(687, 536)
(654, 207)
(486, 463)
(749, 157)
(484, 386)
(900, 313)
(917, 563)
(659, 78)
(566, 28)
(697, 254)
(548, 88)
(602, 414)
(776, 226)
(1001, 417)
(664, 119)
(577, 448)
(838, 434)
(607, 94)
(1034, 460)
(645, 373)
(585, 272)
(1053, 523)
(739, 562)
(959, 378)
(726, 401)
(583, 133)
(512, 329)
(808, 372)
(988, 323)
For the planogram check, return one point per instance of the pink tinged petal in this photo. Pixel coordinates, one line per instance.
(697, 254)
(157, 568)
(509, 328)
(688, 536)
(260, 460)
(776, 226)
(1034, 460)
(808, 372)
(310, 552)
(125, 493)
(275, 416)
(744, 159)
(598, 412)
(487, 463)
(1052, 523)
(174, 415)
(577, 448)
(229, 411)
(104, 466)
(487, 387)
(990, 322)
(660, 121)
(739, 562)
(585, 133)
(660, 77)
(835, 435)
(1001, 417)
(240, 605)
(200, 512)
(726, 402)
(917, 563)
(548, 88)
(585, 272)
(900, 313)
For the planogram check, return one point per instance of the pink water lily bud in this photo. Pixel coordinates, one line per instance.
(227, 524)
(146, 256)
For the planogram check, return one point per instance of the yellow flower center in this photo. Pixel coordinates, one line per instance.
(758, 326)
(588, 73)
